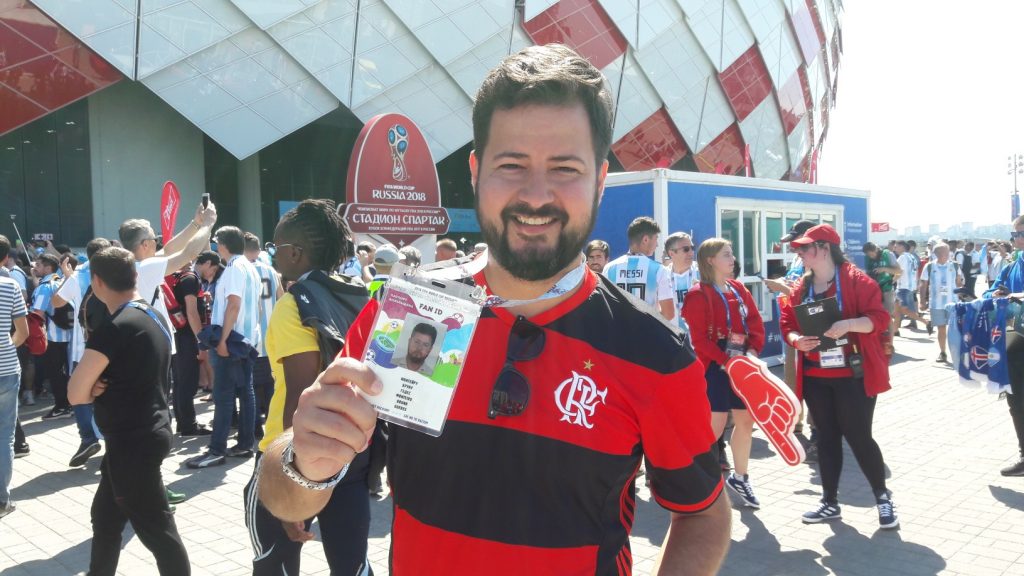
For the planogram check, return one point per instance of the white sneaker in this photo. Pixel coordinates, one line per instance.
(27, 398)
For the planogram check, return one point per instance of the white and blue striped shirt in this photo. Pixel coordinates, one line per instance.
(42, 301)
(12, 305)
(268, 298)
(682, 284)
(240, 279)
(642, 277)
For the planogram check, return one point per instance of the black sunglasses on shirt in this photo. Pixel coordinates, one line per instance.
(511, 392)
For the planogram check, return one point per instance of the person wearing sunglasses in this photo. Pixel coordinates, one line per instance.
(724, 322)
(842, 384)
(567, 385)
(1010, 284)
(685, 273)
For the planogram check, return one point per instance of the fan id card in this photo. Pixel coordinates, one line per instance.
(420, 339)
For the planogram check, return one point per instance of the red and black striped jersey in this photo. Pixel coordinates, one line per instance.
(551, 491)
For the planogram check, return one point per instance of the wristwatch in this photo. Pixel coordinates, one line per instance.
(288, 465)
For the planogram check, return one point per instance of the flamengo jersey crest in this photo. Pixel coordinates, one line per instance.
(577, 398)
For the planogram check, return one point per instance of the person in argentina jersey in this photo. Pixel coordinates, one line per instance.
(685, 273)
(939, 279)
(271, 289)
(638, 273)
(236, 311)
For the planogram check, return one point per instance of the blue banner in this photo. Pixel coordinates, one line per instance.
(463, 220)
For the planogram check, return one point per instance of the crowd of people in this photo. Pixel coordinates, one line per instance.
(125, 337)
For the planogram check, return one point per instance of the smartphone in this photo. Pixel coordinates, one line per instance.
(206, 200)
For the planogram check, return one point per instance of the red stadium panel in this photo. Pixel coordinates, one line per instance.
(746, 82)
(42, 66)
(583, 26)
(812, 7)
(792, 103)
(655, 143)
(805, 85)
(725, 153)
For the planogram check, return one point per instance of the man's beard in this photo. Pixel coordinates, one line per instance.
(534, 263)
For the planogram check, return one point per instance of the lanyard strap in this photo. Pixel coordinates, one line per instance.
(566, 284)
(839, 291)
(728, 313)
(149, 312)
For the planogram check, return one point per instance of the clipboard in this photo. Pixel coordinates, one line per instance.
(816, 317)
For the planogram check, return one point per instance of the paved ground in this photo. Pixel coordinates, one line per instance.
(943, 443)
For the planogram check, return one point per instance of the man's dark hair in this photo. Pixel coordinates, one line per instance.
(116, 267)
(640, 227)
(50, 260)
(231, 238)
(903, 243)
(427, 329)
(552, 75)
(327, 238)
(95, 245)
(869, 247)
(62, 248)
(598, 245)
(5, 247)
(969, 246)
(912, 244)
(209, 257)
(252, 242)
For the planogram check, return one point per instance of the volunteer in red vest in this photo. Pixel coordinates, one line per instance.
(841, 384)
(724, 322)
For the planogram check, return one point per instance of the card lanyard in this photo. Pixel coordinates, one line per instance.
(728, 313)
(566, 284)
(149, 312)
(839, 292)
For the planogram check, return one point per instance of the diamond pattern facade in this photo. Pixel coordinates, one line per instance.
(707, 78)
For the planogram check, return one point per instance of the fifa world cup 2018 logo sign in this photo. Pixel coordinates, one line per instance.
(398, 141)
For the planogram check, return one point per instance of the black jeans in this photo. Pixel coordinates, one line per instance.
(55, 368)
(841, 409)
(131, 490)
(186, 379)
(1015, 358)
(344, 527)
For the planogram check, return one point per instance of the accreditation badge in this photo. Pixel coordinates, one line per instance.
(421, 336)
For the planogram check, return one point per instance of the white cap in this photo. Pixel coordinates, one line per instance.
(387, 255)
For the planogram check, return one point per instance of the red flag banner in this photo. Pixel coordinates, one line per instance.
(170, 201)
(879, 226)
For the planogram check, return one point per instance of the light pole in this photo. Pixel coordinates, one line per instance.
(1016, 166)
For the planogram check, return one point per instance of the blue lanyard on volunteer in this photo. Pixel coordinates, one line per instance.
(839, 291)
(149, 312)
(728, 313)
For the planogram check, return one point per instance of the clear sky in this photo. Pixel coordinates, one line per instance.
(930, 103)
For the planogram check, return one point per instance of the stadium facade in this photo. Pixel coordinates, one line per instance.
(259, 102)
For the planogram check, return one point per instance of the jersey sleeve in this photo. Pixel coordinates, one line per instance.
(41, 297)
(675, 429)
(290, 336)
(665, 289)
(232, 282)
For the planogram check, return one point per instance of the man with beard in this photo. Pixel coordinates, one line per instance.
(566, 387)
(597, 252)
(421, 342)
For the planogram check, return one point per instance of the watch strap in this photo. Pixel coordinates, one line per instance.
(288, 466)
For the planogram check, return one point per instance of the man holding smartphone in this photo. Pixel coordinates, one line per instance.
(1010, 284)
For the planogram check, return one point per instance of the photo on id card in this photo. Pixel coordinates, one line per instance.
(420, 338)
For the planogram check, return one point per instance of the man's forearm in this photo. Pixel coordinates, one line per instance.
(696, 545)
(181, 239)
(280, 494)
(192, 315)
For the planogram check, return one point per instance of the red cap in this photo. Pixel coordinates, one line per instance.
(820, 233)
